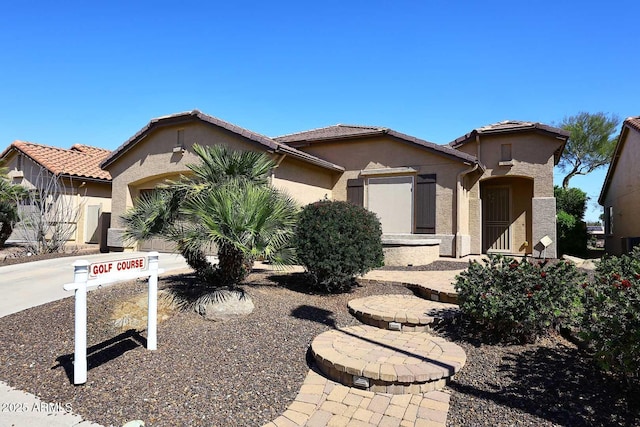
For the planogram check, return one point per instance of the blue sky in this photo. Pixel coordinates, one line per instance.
(95, 73)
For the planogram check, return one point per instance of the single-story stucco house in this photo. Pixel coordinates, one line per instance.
(489, 190)
(620, 195)
(84, 190)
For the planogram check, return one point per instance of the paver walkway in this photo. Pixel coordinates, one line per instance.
(400, 312)
(322, 402)
(431, 285)
(387, 361)
(407, 366)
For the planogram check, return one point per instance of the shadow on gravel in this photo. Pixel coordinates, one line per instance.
(558, 385)
(104, 352)
(315, 314)
(438, 265)
(300, 282)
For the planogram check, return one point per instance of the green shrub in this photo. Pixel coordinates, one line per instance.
(572, 235)
(519, 301)
(571, 204)
(336, 241)
(611, 320)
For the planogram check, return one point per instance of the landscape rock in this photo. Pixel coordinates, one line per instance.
(223, 304)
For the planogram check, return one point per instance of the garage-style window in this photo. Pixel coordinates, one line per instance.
(391, 198)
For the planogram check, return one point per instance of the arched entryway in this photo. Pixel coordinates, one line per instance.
(507, 215)
(139, 189)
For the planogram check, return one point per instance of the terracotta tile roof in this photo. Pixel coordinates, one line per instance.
(265, 141)
(633, 122)
(629, 123)
(510, 126)
(80, 161)
(349, 132)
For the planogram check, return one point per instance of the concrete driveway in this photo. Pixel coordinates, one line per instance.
(35, 283)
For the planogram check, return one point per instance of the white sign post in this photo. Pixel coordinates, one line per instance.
(85, 275)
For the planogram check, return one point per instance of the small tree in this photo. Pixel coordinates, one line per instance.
(336, 241)
(590, 145)
(48, 213)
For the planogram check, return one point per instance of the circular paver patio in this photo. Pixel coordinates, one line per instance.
(407, 312)
(387, 361)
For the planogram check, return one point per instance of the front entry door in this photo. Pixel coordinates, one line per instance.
(496, 214)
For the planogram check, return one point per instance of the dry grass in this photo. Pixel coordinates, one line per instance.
(132, 313)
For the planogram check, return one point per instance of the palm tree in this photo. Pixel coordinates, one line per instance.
(226, 201)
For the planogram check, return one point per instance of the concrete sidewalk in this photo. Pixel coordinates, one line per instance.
(35, 283)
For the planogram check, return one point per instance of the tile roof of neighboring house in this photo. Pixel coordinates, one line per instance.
(633, 122)
(268, 143)
(81, 161)
(510, 126)
(343, 132)
(629, 123)
(90, 150)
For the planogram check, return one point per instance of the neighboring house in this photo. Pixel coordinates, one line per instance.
(414, 186)
(596, 235)
(84, 186)
(620, 193)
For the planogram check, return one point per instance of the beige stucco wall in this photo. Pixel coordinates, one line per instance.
(533, 159)
(404, 255)
(386, 152)
(532, 155)
(152, 160)
(304, 182)
(79, 192)
(624, 193)
(91, 194)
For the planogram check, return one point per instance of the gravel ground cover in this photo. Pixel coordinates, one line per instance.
(550, 383)
(246, 371)
(12, 254)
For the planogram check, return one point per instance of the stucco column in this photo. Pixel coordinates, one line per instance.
(544, 224)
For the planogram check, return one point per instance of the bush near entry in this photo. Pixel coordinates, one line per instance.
(611, 320)
(337, 241)
(520, 300)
